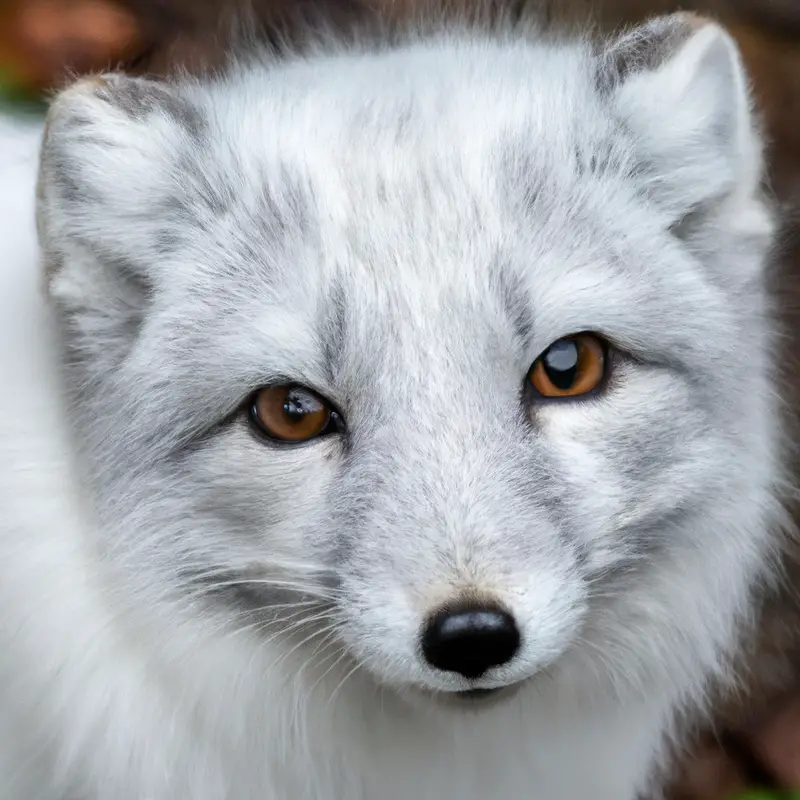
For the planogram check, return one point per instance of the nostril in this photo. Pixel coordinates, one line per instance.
(470, 640)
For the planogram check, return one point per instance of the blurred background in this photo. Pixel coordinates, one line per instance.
(755, 749)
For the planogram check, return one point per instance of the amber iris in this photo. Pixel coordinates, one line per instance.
(570, 367)
(290, 413)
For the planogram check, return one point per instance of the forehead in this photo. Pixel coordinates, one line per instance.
(416, 184)
(384, 132)
(422, 146)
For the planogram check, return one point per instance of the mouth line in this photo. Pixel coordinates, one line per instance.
(479, 694)
(476, 699)
(479, 697)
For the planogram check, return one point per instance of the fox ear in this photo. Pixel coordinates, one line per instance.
(680, 87)
(112, 207)
(108, 167)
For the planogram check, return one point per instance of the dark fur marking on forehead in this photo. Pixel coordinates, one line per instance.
(333, 330)
(200, 190)
(521, 174)
(514, 298)
(604, 155)
(284, 204)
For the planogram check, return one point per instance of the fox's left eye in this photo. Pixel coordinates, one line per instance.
(292, 414)
(570, 367)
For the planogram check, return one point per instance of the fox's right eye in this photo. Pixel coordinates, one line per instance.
(570, 367)
(292, 414)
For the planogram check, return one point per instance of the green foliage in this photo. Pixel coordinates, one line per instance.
(17, 100)
(767, 795)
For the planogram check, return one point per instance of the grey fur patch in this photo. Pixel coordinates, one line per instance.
(515, 300)
(139, 98)
(645, 48)
(334, 333)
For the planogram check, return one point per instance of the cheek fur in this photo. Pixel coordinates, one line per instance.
(632, 460)
(264, 502)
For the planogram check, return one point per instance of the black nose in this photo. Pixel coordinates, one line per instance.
(470, 640)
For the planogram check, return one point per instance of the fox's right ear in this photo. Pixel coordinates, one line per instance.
(113, 208)
(108, 168)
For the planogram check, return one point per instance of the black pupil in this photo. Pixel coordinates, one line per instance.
(561, 363)
(298, 405)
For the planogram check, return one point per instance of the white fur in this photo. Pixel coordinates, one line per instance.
(114, 686)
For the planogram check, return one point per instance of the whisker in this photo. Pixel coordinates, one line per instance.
(285, 566)
(298, 645)
(225, 624)
(341, 684)
(301, 606)
(328, 642)
(342, 657)
(283, 630)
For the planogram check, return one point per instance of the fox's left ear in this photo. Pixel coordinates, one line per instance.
(678, 84)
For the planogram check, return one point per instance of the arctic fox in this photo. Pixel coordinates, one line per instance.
(392, 420)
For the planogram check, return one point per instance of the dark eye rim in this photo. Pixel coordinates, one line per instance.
(335, 424)
(610, 355)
